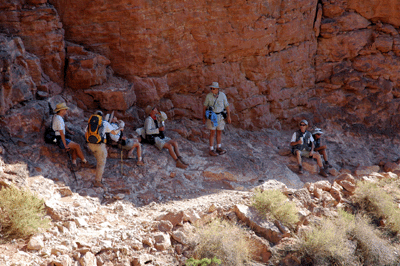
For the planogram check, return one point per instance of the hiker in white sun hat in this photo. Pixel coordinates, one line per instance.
(215, 112)
(321, 149)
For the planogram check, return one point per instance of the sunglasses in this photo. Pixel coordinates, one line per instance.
(302, 125)
(213, 89)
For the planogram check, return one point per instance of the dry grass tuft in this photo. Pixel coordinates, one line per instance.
(275, 204)
(22, 213)
(225, 241)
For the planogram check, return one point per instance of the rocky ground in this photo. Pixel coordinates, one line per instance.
(143, 215)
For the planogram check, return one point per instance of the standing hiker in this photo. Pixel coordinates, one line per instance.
(96, 137)
(215, 111)
(302, 143)
(64, 143)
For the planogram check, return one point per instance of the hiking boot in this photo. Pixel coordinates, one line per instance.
(98, 184)
(179, 164)
(87, 165)
(327, 165)
(213, 153)
(221, 151)
(182, 160)
(323, 173)
(300, 169)
(74, 167)
(140, 163)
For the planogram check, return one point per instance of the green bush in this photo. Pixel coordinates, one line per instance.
(275, 204)
(373, 199)
(21, 213)
(223, 240)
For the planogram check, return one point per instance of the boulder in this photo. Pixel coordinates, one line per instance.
(262, 226)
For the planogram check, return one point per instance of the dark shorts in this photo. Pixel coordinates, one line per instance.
(61, 144)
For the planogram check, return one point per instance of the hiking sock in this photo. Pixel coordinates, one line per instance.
(139, 158)
(218, 146)
(211, 148)
(84, 161)
(74, 162)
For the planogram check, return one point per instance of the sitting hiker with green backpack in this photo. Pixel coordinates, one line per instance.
(123, 142)
(96, 137)
(64, 143)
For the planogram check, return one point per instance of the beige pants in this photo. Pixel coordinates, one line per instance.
(100, 153)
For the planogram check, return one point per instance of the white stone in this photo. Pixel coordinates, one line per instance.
(36, 243)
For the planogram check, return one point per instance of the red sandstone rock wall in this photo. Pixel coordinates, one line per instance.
(39, 26)
(358, 64)
(265, 55)
(259, 51)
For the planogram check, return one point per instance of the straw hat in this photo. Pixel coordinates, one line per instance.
(61, 106)
(148, 109)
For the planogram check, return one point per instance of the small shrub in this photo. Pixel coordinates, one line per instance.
(371, 247)
(375, 200)
(202, 262)
(224, 241)
(21, 213)
(275, 204)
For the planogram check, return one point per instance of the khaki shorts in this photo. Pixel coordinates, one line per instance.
(303, 153)
(161, 142)
(220, 126)
(129, 144)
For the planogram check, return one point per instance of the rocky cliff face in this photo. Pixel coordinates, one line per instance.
(278, 61)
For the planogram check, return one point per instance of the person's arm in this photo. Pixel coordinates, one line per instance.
(320, 148)
(204, 114)
(150, 128)
(229, 115)
(293, 142)
(312, 145)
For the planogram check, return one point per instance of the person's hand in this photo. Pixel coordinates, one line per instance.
(229, 120)
(311, 154)
(161, 128)
(67, 149)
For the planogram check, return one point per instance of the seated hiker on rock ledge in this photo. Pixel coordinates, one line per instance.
(302, 143)
(154, 127)
(129, 144)
(64, 143)
(320, 149)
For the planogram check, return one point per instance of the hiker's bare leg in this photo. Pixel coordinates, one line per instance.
(171, 150)
(219, 134)
(212, 136)
(77, 150)
(175, 145)
(318, 157)
(138, 148)
(323, 152)
(298, 157)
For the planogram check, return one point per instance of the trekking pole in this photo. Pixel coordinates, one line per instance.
(121, 163)
(72, 166)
